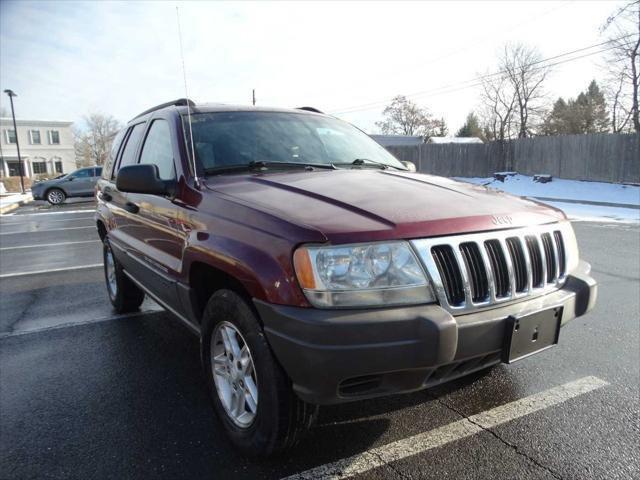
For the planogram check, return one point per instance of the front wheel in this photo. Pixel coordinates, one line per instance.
(125, 296)
(55, 196)
(250, 392)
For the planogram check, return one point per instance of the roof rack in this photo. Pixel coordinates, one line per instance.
(310, 109)
(181, 102)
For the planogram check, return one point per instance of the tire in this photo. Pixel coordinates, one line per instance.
(279, 418)
(55, 196)
(125, 295)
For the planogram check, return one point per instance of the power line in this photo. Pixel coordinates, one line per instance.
(480, 78)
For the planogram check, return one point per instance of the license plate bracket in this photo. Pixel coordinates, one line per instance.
(530, 334)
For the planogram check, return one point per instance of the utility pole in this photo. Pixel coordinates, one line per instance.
(11, 94)
(254, 96)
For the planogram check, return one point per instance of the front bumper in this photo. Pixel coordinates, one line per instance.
(334, 356)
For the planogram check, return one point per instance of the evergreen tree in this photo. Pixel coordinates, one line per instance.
(441, 129)
(586, 114)
(471, 127)
(598, 116)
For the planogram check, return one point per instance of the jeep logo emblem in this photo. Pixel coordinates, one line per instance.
(501, 220)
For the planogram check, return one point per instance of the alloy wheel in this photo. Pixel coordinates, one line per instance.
(112, 283)
(55, 196)
(234, 374)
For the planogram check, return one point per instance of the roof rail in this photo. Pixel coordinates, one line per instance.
(181, 102)
(310, 109)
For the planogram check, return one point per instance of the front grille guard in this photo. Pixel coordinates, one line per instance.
(528, 238)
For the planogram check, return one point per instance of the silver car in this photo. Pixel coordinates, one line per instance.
(81, 183)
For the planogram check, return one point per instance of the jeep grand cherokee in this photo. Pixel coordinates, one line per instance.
(317, 269)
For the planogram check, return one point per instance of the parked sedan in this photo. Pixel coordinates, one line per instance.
(80, 183)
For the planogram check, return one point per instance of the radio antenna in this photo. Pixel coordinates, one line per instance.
(196, 180)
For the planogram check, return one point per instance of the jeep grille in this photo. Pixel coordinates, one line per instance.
(475, 271)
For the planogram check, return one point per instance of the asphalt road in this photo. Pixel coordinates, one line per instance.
(84, 394)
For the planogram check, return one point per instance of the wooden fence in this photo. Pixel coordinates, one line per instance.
(596, 157)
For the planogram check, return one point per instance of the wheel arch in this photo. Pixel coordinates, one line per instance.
(205, 279)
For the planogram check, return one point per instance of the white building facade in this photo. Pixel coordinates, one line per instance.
(46, 148)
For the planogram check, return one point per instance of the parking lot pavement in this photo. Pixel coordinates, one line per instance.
(98, 396)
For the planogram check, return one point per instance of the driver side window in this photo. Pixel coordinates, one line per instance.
(157, 149)
(84, 173)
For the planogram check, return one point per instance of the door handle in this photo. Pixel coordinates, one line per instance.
(131, 207)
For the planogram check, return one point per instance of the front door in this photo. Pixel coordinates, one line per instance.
(80, 183)
(158, 236)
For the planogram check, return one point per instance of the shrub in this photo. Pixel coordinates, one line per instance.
(12, 184)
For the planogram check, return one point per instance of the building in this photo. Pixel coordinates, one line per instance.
(46, 148)
(454, 140)
(398, 140)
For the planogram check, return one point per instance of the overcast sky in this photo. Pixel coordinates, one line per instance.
(65, 59)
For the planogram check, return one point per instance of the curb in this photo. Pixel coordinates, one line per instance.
(13, 206)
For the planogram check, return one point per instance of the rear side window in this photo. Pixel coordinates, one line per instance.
(115, 147)
(158, 150)
(128, 156)
(98, 172)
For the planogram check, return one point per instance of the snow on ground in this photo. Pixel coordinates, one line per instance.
(624, 199)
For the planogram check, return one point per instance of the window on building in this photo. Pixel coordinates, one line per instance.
(158, 150)
(14, 169)
(128, 156)
(34, 136)
(58, 167)
(39, 167)
(54, 137)
(10, 136)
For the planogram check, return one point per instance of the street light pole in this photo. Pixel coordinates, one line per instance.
(11, 94)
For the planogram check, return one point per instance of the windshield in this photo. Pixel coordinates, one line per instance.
(225, 139)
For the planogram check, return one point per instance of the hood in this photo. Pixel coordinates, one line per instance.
(353, 205)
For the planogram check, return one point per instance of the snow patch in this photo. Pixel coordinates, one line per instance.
(624, 199)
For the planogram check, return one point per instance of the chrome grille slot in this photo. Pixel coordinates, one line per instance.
(449, 273)
(536, 260)
(499, 267)
(550, 256)
(519, 263)
(562, 258)
(475, 271)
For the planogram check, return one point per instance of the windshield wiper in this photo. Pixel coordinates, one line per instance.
(361, 162)
(261, 165)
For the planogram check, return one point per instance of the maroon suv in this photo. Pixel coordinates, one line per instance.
(316, 268)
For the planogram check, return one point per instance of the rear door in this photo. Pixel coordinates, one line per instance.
(113, 204)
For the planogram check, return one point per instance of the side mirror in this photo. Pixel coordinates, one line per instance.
(410, 166)
(142, 178)
(70, 178)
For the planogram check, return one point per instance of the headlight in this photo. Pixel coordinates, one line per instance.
(375, 274)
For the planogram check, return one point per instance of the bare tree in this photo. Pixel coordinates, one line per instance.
(498, 106)
(624, 59)
(526, 73)
(93, 144)
(403, 117)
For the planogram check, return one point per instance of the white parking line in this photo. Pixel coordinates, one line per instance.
(38, 272)
(27, 220)
(377, 457)
(47, 213)
(76, 324)
(47, 230)
(48, 245)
